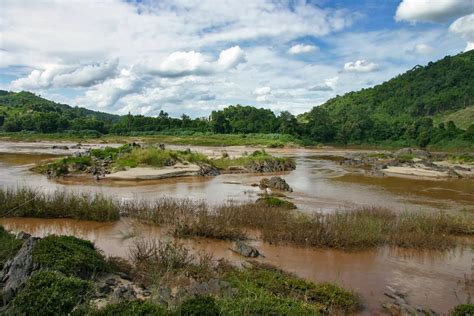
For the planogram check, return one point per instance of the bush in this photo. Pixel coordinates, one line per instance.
(199, 306)
(463, 310)
(9, 246)
(276, 202)
(69, 255)
(50, 293)
(127, 308)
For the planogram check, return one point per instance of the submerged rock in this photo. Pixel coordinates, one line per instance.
(245, 249)
(208, 171)
(277, 183)
(17, 270)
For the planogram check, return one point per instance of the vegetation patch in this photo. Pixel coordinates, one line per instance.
(69, 255)
(276, 202)
(9, 246)
(26, 202)
(463, 310)
(50, 293)
(258, 161)
(127, 308)
(201, 305)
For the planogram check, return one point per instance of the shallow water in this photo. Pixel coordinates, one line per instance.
(430, 278)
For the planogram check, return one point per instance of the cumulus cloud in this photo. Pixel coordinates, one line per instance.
(361, 66)
(421, 49)
(328, 85)
(231, 57)
(263, 94)
(66, 76)
(465, 28)
(302, 49)
(431, 10)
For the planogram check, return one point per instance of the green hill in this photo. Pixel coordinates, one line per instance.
(403, 108)
(25, 111)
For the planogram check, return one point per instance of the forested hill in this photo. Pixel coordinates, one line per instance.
(415, 107)
(25, 111)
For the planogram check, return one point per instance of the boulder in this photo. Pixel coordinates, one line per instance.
(245, 249)
(276, 183)
(208, 171)
(124, 293)
(17, 270)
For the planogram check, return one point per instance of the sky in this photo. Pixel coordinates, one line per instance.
(193, 57)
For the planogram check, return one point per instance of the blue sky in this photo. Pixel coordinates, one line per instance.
(186, 56)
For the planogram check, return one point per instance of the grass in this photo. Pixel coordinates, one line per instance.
(276, 202)
(463, 310)
(462, 158)
(70, 256)
(26, 202)
(127, 308)
(351, 229)
(258, 161)
(50, 293)
(9, 246)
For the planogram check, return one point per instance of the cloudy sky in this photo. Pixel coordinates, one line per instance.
(193, 56)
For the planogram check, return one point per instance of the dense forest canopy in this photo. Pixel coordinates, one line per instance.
(399, 111)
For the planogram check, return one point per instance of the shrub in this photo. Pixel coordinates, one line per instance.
(9, 246)
(276, 202)
(463, 310)
(50, 293)
(127, 308)
(69, 255)
(199, 306)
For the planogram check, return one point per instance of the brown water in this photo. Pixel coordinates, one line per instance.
(431, 279)
(434, 279)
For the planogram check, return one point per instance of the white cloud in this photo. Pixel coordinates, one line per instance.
(328, 85)
(432, 10)
(422, 49)
(231, 57)
(263, 94)
(66, 76)
(361, 66)
(302, 49)
(465, 28)
(184, 63)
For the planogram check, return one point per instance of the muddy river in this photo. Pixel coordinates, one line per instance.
(439, 280)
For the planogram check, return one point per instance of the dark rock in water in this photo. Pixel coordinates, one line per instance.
(60, 147)
(245, 250)
(271, 165)
(17, 270)
(208, 171)
(277, 183)
(124, 293)
(417, 153)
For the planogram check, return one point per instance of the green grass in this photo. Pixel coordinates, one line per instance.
(50, 293)
(276, 202)
(462, 118)
(69, 255)
(199, 306)
(9, 246)
(463, 310)
(128, 308)
(263, 291)
(462, 158)
(26, 202)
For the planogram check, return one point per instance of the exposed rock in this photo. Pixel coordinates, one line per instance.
(17, 270)
(208, 170)
(276, 183)
(271, 165)
(245, 250)
(417, 153)
(124, 293)
(60, 147)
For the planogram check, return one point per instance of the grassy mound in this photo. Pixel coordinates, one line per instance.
(199, 306)
(127, 308)
(69, 255)
(463, 310)
(276, 202)
(50, 293)
(269, 291)
(9, 245)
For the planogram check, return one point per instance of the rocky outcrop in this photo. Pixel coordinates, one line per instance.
(17, 270)
(276, 183)
(207, 170)
(417, 153)
(271, 165)
(399, 305)
(245, 250)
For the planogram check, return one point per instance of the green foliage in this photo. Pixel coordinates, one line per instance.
(199, 306)
(127, 308)
(50, 293)
(463, 310)
(276, 202)
(9, 246)
(69, 255)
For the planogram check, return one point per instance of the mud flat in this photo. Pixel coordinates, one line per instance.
(141, 173)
